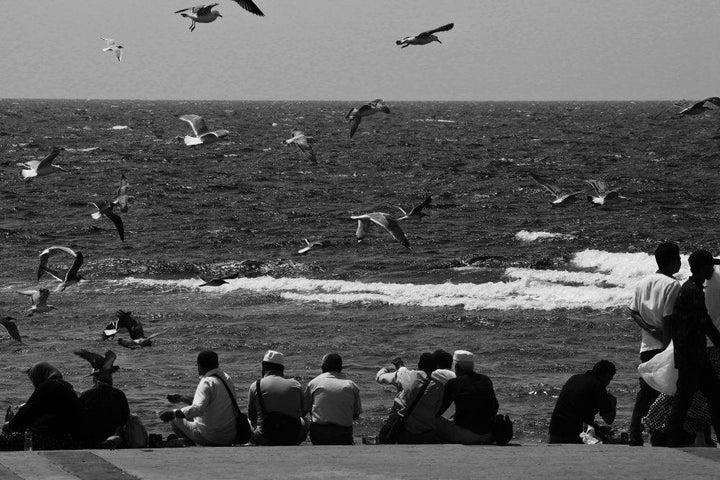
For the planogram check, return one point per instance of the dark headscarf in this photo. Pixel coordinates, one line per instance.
(42, 372)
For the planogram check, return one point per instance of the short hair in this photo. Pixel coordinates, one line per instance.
(208, 360)
(604, 367)
(332, 362)
(700, 258)
(427, 362)
(443, 359)
(267, 366)
(666, 252)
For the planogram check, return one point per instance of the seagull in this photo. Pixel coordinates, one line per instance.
(303, 142)
(202, 134)
(124, 323)
(699, 107)
(416, 211)
(250, 6)
(385, 221)
(560, 197)
(138, 342)
(9, 323)
(602, 193)
(104, 208)
(121, 197)
(315, 244)
(200, 14)
(370, 108)
(71, 276)
(39, 300)
(112, 46)
(99, 363)
(40, 168)
(424, 37)
(216, 282)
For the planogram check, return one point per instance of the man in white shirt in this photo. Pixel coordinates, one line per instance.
(651, 308)
(333, 402)
(209, 418)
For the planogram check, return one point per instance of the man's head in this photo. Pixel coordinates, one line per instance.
(427, 363)
(274, 361)
(443, 359)
(702, 264)
(332, 362)
(207, 360)
(604, 370)
(464, 361)
(667, 256)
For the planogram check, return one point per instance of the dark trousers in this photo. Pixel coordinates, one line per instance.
(330, 434)
(690, 379)
(644, 399)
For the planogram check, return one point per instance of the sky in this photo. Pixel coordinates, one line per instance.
(345, 50)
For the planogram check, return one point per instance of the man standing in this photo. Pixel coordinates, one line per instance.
(209, 418)
(475, 404)
(333, 402)
(690, 325)
(275, 405)
(581, 398)
(651, 308)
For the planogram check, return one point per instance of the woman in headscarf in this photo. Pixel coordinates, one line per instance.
(52, 413)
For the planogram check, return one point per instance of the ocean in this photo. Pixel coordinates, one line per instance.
(537, 292)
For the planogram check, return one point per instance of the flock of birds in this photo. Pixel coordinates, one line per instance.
(600, 194)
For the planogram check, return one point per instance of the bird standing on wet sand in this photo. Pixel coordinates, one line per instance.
(424, 37)
(416, 212)
(602, 194)
(557, 193)
(112, 46)
(699, 107)
(202, 134)
(303, 143)
(71, 276)
(105, 208)
(40, 168)
(355, 115)
(100, 364)
(9, 323)
(39, 300)
(384, 220)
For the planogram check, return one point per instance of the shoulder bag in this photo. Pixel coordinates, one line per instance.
(395, 423)
(242, 426)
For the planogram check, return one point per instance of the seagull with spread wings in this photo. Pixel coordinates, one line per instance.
(40, 168)
(217, 281)
(385, 221)
(71, 276)
(39, 300)
(602, 194)
(559, 197)
(105, 208)
(425, 37)
(699, 107)
(316, 244)
(112, 46)
(102, 365)
(355, 115)
(416, 211)
(124, 323)
(11, 326)
(303, 143)
(202, 134)
(200, 14)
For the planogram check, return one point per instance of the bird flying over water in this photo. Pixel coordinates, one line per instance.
(602, 194)
(700, 107)
(216, 282)
(355, 115)
(40, 168)
(424, 37)
(121, 196)
(124, 323)
(39, 300)
(316, 244)
(112, 46)
(99, 363)
(303, 143)
(200, 14)
(138, 342)
(202, 134)
(416, 211)
(385, 221)
(11, 326)
(105, 208)
(71, 276)
(559, 196)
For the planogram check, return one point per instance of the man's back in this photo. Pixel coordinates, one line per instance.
(654, 299)
(581, 397)
(475, 401)
(282, 395)
(332, 399)
(104, 409)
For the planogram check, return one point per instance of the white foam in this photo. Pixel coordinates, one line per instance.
(120, 127)
(525, 236)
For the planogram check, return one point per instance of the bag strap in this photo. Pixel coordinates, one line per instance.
(232, 397)
(418, 397)
(258, 394)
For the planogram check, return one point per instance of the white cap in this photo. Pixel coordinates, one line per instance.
(272, 356)
(463, 356)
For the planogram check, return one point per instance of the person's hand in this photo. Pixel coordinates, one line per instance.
(9, 413)
(167, 415)
(398, 362)
(174, 398)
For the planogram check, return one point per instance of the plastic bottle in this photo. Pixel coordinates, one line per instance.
(28, 441)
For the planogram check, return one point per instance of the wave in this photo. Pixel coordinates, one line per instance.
(525, 236)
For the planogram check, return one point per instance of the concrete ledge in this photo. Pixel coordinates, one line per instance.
(555, 462)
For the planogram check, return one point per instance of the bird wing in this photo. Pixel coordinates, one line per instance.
(118, 223)
(108, 361)
(354, 124)
(363, 224)
(392, 227)
(72, 273)
(136, 330)
(96, 360)
(714, 100)
(54, 273)
(545, 184)
(31, 164)
(306, 148)
(444, 28)
(595, 184)
(49, 159)
(418, 208)
(351, 112)
(196, 122)
(127, 343)
(250, 6)
(9, 323)
(201, 10)
(216, 133)
(185, 9)
(121, 198)
(110, 42)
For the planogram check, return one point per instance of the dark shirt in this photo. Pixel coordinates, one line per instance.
(580, 399)
(690, 324)
(53, 410)
(104, 409)
(475, 401)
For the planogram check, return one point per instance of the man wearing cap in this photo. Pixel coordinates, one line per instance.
(209, 418)
(475, 404)
(690, 325)
(276, 414)
(333, 402)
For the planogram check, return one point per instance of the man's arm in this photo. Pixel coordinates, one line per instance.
(252, 409)
(656, 332)
(177, 398)
(711, 330)
(203, 396)
(609, 409)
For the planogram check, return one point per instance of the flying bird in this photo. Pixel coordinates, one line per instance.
(138, 342)
(105, 208)
(424, 37)
(200, 14)
(384, 220)
(316, 244)
(355, 115)
(250, 6)
(416, 211)
(99, 363)
(121, 196)
(9, 323)
(202, 134)
(216, 282)
(40, 168)
(303, 143)
(559, 196)
(39, 300)
(602, 194)
(124, 323)
(71, 276)
(112, 46)
(699, 107)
